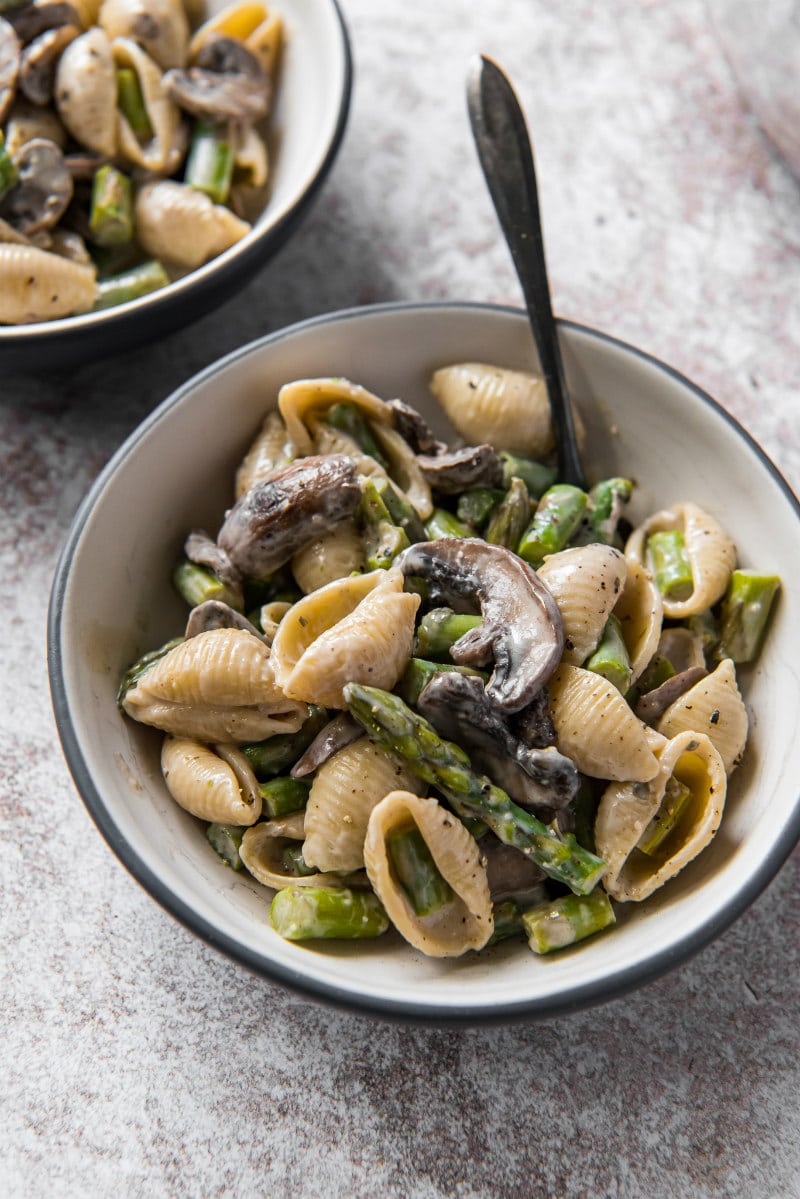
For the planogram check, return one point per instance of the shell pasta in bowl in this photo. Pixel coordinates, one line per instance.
(370, 700)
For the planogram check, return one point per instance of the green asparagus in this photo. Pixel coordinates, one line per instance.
(225, 839)
(111, 213)
(606, 500)
(745, 612)
(672, 569)
(570, 918)
(130, 285)
(510, 520)
(349, 419)
(8, 169)
(305, 913)
(537, 477)
(142, 665)
(130, 102)
(557, 517)
(294, 863)
(706, 626)
(268, 758)
(419, 673)
(507, 921)
(439, 629)
(196, 584)
(209, 164)
(396, 728)
(383, 539)
(417, 873)
(477, 505)
(442, 523)
(282, 795)
(611, 659)
(676, 798)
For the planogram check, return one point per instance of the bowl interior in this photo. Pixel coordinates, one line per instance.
(302, 131)
(112, 600)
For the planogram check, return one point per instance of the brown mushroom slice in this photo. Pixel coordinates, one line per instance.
(43, 190)
(466, 922)
(453, 471)
(653, 704)
(626, 810)
(343, 794)
(39, 286)
(510, 873)
(404, 468)
(32, 20)
(287, 511)
(218, 686)
(216, 614)
(262, 851)
(70, 245)
(521, 632)
(237, 20)
(27, 121)
(86, 92)
(337, 734)
(359, 629)
(180, 225)
(163, 152)
(586, 583)
(302, 400)
(10, 50)
(412, 426)
(227, 83)
(38, 62)
(214, 783)
(160, 27)
(713, 706)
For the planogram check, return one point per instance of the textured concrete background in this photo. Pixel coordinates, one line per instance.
(135, 1060)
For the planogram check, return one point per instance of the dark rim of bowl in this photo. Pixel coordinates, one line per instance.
(219, 274)
(581, 996)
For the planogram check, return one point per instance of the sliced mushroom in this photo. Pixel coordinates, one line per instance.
(37, 68)
(201, 549)
(71, 246)
(533, 726)
(158, 26)
(82, 167)
(215, 614)
(337, 734)
(9, 66)
(27, 121)
(511, 874)
(521, 631)
(288, 511)
(43, 190)
(32, 20)
(653, 704)
(412, 426)
(459, 709)
(455, 470)
(227, 82)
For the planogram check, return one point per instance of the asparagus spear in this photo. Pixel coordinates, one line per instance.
(417, 873)
(130, 285)
(303, 913)
(745, 612)
(439, 629)
(293, 861)
(611, 659)
(130, 102)
(535, 475)
(419, 673)
(134, 673)
(225, 840)
(282, 795)
(557, 517)
(111, 213)
(270, 757)
(443, 524)
(196, 584)
(383, 539)
(510, 520)
(209, 165)
(396, 728)
(477, 505)
(349, 419)
(568, 919)
(672, 569)
(400, 510)
(606, 501)
(8, 169)
(507, 921)
(676, 797)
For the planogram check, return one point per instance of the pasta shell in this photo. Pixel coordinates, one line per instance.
(464, 923)
(270, 450)
(270, 617)
(508, 409)
(306, 398)
(404, 469)
(164, 150)
(215, 786)
(266, 42)
(586, 583)
(626, 809)
(39, 286)
(640, 614)
(262, 851)
(235, 20)
(715, 707)
(596, 728)
(357, 629)
(158, 26)
(345, 790)
(710, 550)
(86, 92)
(217, 686)
(177, 224)
(250, 157)
(332, 556)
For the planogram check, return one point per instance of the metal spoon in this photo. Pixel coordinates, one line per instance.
(505, 153)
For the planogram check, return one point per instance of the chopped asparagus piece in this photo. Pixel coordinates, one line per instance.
(270, 757)
(141, 665)
(305, 913)
(706, 626)
(745, 612)
(606, 501)
(401, 512)
(537, 477)
(130, 102)
(611, 659)
(225, 840)
(209, 165)
(672, 569)
(510, 520)
(417, 873)
(396, 728)
(280, 796)
(8, 169)
(570, 918)
(349, 419)
(419, 673)
(293, 861)
(111, 214)
(439, 629)
(477, 505)
(557, 517)
(383, 539)
(442, 523)
(130, 285)
(676, 796)
(507, 921)
(196, 584)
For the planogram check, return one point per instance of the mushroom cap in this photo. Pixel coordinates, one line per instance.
(38, 61)
(453, 471)
(43, 190)
(227, 82)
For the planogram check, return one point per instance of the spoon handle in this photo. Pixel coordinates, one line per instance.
(505, 154)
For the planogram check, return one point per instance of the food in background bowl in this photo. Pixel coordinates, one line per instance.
(133, 147)
(113, 599)
(433, 686)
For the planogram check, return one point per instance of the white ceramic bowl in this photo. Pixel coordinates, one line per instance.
(304, 132)
(112, 599)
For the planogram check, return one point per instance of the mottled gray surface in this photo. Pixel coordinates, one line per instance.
(135, 1060)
